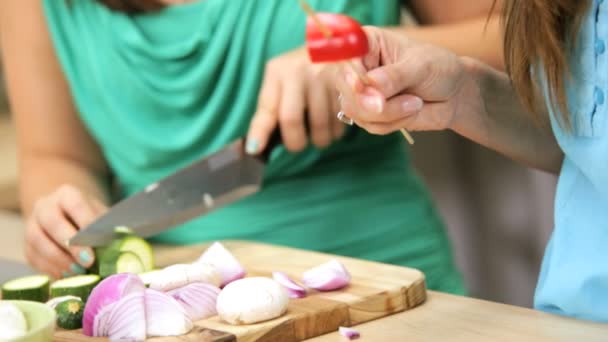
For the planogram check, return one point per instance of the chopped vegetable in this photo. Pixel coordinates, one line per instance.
(105, 294)
(126, 321)
(79, 286)
(124, 243)
(115, 261)
(148, 277)
(252, 300)
(12, 322)
(347, 39)
(164, 315)
(294, 290)
(34, 288)
(179, 275)
(53, 302)
(329, 276)
(219, 257)
(198, 299)
(349, 333)
(69, 314)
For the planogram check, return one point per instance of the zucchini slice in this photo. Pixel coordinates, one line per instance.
(69, 314)
(34, 288)
(79, 286)
(120, 262)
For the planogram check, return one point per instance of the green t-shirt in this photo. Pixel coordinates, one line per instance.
(158, 91)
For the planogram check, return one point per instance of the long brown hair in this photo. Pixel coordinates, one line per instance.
(537, 31)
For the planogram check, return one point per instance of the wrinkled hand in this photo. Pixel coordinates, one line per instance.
(412, 85)
(53, 221)
(293, 85)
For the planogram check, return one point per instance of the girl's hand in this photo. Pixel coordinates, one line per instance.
(53, 221)
(412, 85)
(295, 90)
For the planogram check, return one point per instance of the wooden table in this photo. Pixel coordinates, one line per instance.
(442, 317)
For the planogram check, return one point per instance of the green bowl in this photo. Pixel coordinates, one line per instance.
(40, 321)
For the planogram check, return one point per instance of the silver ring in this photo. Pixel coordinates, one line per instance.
(345, 119)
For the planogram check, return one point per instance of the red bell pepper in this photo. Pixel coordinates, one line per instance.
(347, 39)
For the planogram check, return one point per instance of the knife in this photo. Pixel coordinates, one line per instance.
(221, 178)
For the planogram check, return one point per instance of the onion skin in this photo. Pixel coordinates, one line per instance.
(349, 333)
(218, 256)
(107, 292)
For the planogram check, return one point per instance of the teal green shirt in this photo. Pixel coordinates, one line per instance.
(158, 91)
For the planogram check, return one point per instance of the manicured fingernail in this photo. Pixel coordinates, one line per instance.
(85, 257)
(252, 146)
(65, 274)
(372, 103)
(412, 104)
(77, 269)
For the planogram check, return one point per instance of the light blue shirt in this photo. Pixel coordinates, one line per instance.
(574, 275)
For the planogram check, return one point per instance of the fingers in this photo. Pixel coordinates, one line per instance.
(291, 116)
(319, 115)
(43, 253)
(266, 116)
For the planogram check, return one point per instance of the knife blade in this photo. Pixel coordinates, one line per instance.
(222, 178)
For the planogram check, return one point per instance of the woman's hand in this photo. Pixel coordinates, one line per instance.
(53, 221)
(411, 85)
(295, 90)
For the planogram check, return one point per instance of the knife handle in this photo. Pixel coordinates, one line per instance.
(276, 139)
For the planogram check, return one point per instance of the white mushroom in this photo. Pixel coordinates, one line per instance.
(179, 275)
(252, 300)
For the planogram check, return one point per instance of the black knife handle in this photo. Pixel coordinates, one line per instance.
(276, 139)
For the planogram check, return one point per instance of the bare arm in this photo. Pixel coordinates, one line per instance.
(54, 147)
(63, 175)
(463, 26)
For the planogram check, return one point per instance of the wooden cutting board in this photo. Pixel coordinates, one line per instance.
(376, 290)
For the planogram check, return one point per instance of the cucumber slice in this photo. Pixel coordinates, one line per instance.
(79, 286)
(69, 314)
(34, 288)
(139, 247)
(119, 262)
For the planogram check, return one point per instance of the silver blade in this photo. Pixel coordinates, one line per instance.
(222, 178)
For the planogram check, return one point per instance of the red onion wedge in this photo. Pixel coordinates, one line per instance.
(294, 290)
(127, 321)
(164, 315)
(349, 333)
(108, 292)
(329, 276)
(230, 269)
(198, 299)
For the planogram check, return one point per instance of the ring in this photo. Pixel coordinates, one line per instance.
(345, 119)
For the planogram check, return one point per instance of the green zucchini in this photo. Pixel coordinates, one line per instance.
(137, 246)
(34, 288)
(79, 286)
(69, 314)
(115, 261)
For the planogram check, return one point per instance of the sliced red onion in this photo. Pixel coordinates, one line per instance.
(164, 315)
(198, 299)
(127, 320)
(219, 257)
(108, 291)
(294, 290)
(329, 276)
(349, 333)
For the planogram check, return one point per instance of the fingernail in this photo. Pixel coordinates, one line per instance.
(65, 274)
(413, 104)
(85, 257)
(350, 79)
(372, 103)
(77, 269)
(252, 146)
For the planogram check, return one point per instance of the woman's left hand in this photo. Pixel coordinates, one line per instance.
(295, 90)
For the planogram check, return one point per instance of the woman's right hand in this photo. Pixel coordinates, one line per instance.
(53, 221)
(411, 85)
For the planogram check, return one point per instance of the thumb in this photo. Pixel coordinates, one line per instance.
(396, 78)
